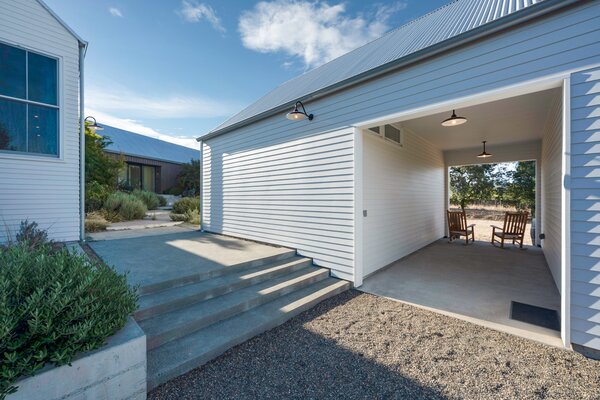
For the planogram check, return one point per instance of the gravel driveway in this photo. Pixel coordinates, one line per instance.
(359, 346)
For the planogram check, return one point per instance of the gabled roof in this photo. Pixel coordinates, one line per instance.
(440, 30)
(134, 144)
(63, 23)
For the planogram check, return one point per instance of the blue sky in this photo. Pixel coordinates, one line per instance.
(175, 69)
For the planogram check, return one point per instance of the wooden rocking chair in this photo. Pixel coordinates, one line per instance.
(457, 226)
(513, 229)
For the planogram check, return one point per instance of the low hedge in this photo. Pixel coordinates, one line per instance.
(53, 305)
(127, 206)
(186, 204)
(150, 199)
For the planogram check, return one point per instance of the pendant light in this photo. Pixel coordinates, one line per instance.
(454, 120)
(484, 154)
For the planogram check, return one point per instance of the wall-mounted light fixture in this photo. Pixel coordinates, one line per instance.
(298, 115)
(91, 123)
(484, 154)
(454, 120)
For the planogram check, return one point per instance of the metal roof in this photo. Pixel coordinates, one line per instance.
(134, 144)
(436, 31)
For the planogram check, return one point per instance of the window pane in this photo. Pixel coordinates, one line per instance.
(135, 177)
(12, 71)
(148, 174)
(12, 126)
(43, 130)
(42, 79)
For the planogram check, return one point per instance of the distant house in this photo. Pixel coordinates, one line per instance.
(151, 164)
(41, 60)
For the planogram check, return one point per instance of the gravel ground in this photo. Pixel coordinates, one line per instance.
(360, 346)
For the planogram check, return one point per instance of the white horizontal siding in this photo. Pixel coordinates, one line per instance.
(523, 151)
(40, 189)
(293, 191)
(551, 174)
(585, 208)
(404, 196)
(274, 150)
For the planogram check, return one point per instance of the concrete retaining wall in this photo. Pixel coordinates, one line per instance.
(114, 371)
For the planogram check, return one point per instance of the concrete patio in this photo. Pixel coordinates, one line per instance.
(475, 283)
(160, 256)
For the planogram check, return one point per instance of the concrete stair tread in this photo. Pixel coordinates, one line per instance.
(176, 324)
(178, 357)
(213, 272)
(167, 300)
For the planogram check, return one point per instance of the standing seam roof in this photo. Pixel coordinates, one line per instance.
(446, 22)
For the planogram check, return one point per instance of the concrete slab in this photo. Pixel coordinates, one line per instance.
(153, 259)
(476, 283)
(133, 233)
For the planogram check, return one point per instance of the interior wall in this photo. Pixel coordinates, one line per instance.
(551, 168)
(404, 198)
(530, 150)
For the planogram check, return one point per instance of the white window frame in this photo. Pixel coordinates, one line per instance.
(26, 155)
(381, 134)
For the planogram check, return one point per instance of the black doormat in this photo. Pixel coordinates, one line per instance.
(534, 315)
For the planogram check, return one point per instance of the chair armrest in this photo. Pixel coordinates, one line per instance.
(470, 226)
(497, 227)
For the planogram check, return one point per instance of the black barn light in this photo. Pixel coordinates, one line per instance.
(93, 125)
(298, 115)
(454, 120)
(484, 154)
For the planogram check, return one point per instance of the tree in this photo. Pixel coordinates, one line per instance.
(188, 179)
(520, 191)
(472, 183)
(101, 170)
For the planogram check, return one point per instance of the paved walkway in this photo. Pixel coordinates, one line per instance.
(173, 253)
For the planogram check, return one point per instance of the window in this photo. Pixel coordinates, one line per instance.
(28, 102)
(138, 176)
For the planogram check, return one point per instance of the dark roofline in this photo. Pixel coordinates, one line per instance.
(525, 15)
(149, 158)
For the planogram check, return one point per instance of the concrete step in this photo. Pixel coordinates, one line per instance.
(213, 273)
(174, 325)
(168, 300)
(178, 357)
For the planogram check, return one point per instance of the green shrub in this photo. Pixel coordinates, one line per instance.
(186, 204)
(177, 217)
(31, 236)
(193, 216)
(162, 201)
(53, 305)
(150, 199)
(95, 195)
(126, 206)
(95, 222)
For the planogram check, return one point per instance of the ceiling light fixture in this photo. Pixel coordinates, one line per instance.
(454, 120)
(484, 154)
(298, 115)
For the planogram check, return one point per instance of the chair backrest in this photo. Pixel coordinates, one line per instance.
(457, 221)
(515, 223)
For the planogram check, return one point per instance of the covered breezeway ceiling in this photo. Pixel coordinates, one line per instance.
(511, 120)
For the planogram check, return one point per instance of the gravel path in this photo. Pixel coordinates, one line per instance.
(359, 346)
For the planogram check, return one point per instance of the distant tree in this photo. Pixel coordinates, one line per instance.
(472, 183)
(188, 179)
(101, 170)
(520, 191)
(4, 138)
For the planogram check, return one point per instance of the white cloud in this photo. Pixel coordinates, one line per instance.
(314, 31)
(191, 11)
(115, 12)
(138, 127)
(125, 103)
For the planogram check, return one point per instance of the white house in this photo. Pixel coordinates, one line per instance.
(41, 84)
(364, 183)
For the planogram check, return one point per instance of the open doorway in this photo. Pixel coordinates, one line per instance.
(407, 192)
